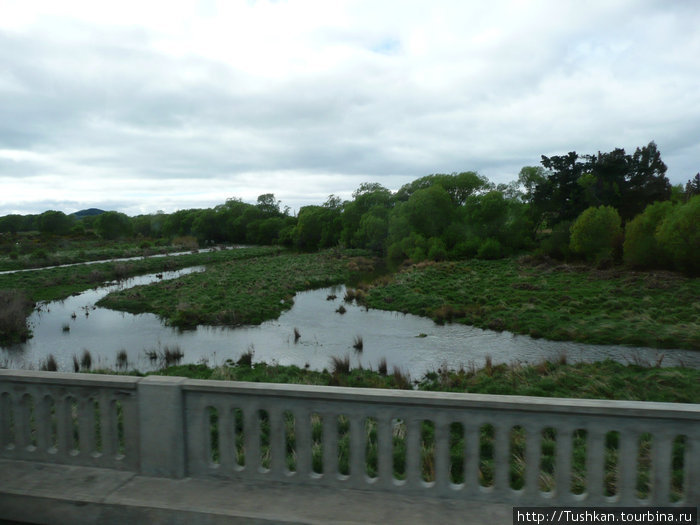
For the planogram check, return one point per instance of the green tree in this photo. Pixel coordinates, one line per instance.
(55, 222)
(596, 233)
(692, 187)
(459, 186)
(641, 248)
(679, 235)
(318, 226)
(113, 225)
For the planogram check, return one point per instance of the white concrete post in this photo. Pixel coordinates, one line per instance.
(161, 419)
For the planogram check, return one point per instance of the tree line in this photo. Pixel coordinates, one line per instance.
(603, 207)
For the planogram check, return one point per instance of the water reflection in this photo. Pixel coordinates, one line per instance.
(412, 343)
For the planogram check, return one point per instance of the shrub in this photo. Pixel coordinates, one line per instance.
(596, 232)
(490, 249)
(14, 307)
(437, 250)
(679, 235)
(466, 248)
(556, 244)
(641, 247)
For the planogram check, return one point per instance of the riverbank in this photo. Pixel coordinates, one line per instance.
(548, 299)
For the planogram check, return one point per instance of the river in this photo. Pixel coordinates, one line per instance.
(414, 344)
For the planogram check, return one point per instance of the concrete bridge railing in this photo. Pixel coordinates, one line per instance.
(442, 444)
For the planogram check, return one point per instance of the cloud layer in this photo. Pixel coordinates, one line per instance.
(145, 106)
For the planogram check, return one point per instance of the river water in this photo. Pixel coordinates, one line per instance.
(414, 344)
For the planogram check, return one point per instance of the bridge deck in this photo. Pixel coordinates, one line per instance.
(44, 493)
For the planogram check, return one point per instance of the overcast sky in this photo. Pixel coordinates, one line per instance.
(144, 106)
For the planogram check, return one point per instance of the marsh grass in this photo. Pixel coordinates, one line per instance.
(86, 360)
(233, 292)
(19, 291)
(171, 355)
(15, 306)
(358, 343)
(246, 358)
(49, 364)
(553, 301)
(122, 359)
(340, 365)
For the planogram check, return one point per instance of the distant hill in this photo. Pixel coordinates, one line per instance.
(87, 213)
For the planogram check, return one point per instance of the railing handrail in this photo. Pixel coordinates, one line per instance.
(173, 427)
(559, 405)
(80, 379)
(452, 400)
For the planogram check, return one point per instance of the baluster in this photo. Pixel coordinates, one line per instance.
(662, 445)
(562, 466)
(64, 426)
(278, 442)
(442, 454)
(385, 456)
(302, 430)
(131, 429)
(86, 426)
(330, 446)
(413, 451)
(595, 465)
(108, 425)
(501, 482)
(533, 457)
(251, 441)
(227, 439)
(21, 411)
(6, 437)
(358, 469)
(198, 438)
(692, 467)
(472, 457)
(42, 416)
(627, 480)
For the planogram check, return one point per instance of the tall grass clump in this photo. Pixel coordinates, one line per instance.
(382, 367)
(358, 343)
(172, 355)
(86, 360)
(14, 308)
(50, 364)
(246, 358)
(122, 359)
(340, 365)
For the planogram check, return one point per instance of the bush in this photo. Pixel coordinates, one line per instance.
(490, 249)
(679, 236)
(467, 248)
(437, 250)
(556, 243)
(641, 247)
(596, 233)
(14, 307)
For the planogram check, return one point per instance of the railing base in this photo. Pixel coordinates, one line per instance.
(45, 493)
